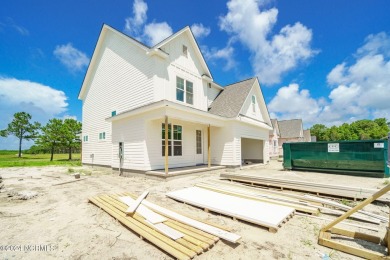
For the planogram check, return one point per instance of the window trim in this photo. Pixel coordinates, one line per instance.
(199, 149)
(85, 138)
(185, 90)
(172, 142)
(102, 136)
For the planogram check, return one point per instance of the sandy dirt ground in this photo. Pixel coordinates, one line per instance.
(60, 219)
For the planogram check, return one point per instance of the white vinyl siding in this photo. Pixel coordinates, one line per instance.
(131, 132)
(122, 79)
(212, 93)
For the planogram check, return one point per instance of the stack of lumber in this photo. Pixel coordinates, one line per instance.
(177, 235)
(301, 203)
(264, 214)
(317, 188)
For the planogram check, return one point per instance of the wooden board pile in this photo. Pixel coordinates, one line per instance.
(302, 203)
(177, 235)
(316, 188)
(261, 213)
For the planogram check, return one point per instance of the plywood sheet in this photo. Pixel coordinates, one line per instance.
(264, 214)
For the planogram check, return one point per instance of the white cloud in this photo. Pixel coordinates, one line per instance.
(133, 24)
(149, 33)
(10, 23)
(226, 54)
(359, 90)
(290, 102)
(74, 59)
(199, 30)
(156, 32)
(272, 56)
(41, 101)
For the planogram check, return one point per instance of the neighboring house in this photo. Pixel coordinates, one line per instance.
(133, 93)
(307, 136)
(274, 135)
(290, 131)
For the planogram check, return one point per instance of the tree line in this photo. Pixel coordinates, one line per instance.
(56, 135)
(358, 130)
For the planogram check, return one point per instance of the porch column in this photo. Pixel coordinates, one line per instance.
(208, 147)
(166, 144)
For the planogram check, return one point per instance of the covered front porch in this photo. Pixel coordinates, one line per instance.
(180, 171)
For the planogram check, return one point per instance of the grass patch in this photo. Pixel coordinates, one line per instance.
(10, 159)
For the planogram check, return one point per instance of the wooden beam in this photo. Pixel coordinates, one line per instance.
(231, 237)
(142, 230)
(356, 208)
(166, 126)
(136, 203)
(208, 147)
(351, 250)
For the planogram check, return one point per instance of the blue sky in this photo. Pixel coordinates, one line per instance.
(324, 61)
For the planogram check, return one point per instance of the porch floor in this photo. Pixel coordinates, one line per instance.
(184, 170)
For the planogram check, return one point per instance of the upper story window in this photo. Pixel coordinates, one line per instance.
(85, 138)
(102, 136)
(254, 103)
(184, 92)
(185, 51)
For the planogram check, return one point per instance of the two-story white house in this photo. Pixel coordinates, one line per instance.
(147, 108)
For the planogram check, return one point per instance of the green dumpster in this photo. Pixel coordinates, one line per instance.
(363, 157)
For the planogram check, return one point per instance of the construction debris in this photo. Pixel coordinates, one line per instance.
(325, 236)
(178, 239)
(257, 212)
(23, 195)
(316, 188)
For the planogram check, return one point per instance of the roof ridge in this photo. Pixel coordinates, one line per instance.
(239, 82)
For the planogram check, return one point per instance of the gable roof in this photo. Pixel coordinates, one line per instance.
(192, 39)
(274, 123)
(290, 128)
(155, 50)
(230, 101)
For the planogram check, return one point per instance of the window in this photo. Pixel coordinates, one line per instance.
(113, 113)
(189, 93)
(102, 136)
(180, 89)
(85, 138)
(254, 103)
(185, 51)
(174, 136)
(198, 142)
(184, 94)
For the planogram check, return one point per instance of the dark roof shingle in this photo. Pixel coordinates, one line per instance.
(230, 101)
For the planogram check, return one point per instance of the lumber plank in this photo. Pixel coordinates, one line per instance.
(136, 203)
(188, 227)
(194, 244)
(354, 234)
(335, 190)
(139, 230)
(357, 207)
(198, 243)
(342, 223)
(350, 249)
(345, 207)
(143, 211)
(260, 213)
(255, 197)
(231, 237)
(66, 182)
(178, 246)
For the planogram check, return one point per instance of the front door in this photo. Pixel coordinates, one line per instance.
(199, 147)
